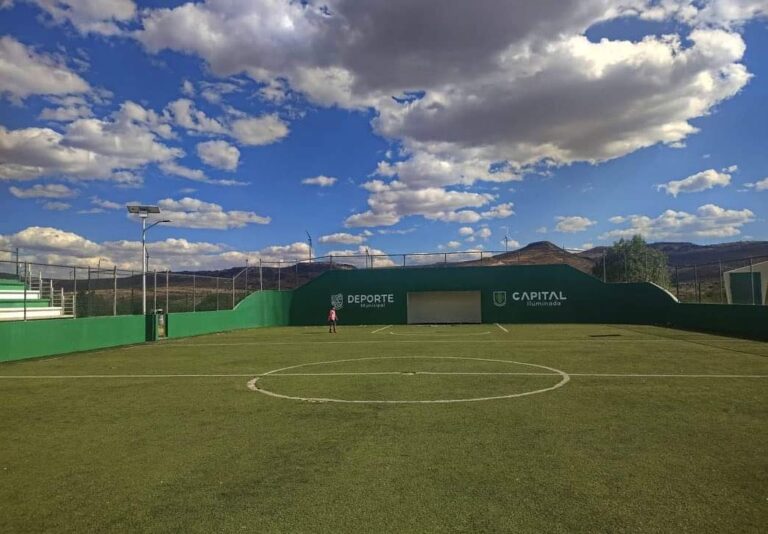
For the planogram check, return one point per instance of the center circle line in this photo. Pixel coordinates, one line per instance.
(253, 383)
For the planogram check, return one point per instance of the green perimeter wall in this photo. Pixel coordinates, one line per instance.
(265, 308)
(528, 290)
(44, 337)
(728, 319)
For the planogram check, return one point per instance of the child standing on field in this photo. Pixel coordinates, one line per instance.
(332, 320)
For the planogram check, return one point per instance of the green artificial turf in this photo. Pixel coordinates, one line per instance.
(150, 453)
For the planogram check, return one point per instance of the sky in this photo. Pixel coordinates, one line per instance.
(387, 125)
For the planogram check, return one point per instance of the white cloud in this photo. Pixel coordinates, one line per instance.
(193, 213)
(343, 238)
(484, 233)
(187, 88)
(701, 181)
(183, 113)
(24, 72)
(219, 154)
(106, 204)
(510, 243)
(196, 175)
(66, 113)
(478, 107)
(573, 224)
(542, 230)
(453, 244)
(361, 255)
(761, 185)
(43, 191)
(88, 149)
(466, 231)
(263, 130)
(390, 202)
(90, 16)
(55, 246)
(56, 206)
(709, 221)
(499, 212)
(322, 181)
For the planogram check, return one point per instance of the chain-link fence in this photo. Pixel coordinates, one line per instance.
(86, 291)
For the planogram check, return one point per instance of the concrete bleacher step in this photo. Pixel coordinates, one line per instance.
(17, 294)
(45, 312)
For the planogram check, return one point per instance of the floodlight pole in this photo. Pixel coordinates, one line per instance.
(144, 230)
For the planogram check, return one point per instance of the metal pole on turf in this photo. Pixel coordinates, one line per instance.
(604, 273)
(752, 282)
(154, 294)
(194, 283)
(677, 283)
(696, 283)
(217, 293)
(246, 280)
(167, 307)
(25, 295)
(261, 277)
(279, 271)
(114, 290)
(720, 278)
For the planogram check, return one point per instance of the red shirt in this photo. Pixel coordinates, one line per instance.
(332, 315)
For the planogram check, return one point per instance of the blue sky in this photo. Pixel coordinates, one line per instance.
(382, 125)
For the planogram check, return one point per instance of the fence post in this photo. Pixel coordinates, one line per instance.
(233, 289)
(167, 302)
(17, 263)
(403, 260)
(296, 276)
(88, 295)
(752, 282)
(25, 302)
(720, 278)
(217, 293)
(605, 277)
(696, 283)
(114, 290)
(74, 291)
(445, 258)
(194, 289)
(279, 271)
(481, 257)
(246, 280)
(154, 293)
(261, 277)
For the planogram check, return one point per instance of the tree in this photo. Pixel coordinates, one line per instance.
(632, 260)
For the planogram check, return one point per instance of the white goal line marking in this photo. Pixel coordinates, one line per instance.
(380, 329)
(407, 373)
(504, 329)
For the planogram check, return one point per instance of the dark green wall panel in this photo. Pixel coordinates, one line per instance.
(534, 294)
(729, 319)
(43, 337)
(265, 308)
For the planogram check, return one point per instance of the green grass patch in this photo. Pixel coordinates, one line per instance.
(136, 451)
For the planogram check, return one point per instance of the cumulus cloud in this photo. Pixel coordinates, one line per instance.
(474, 82)
(709, 221)
(363, 257)
(256, 131)
(88, 149)
(89, 16)
(25, 72)
(56, 246)
(322, 181)
(56, 206)
(573, 224)
(466, 231)
(43, 191)
(761, 185)
(343, 238)
(219, 154)
(193, 213)
(390, 202)
(701, 181)
(196, 175)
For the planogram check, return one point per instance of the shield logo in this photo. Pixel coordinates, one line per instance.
(337, 300)
(499, 298)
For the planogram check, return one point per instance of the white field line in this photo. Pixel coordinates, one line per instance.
(425, 334)
(504, 329)
(380, 329)
(390, 341)
(439, 373)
